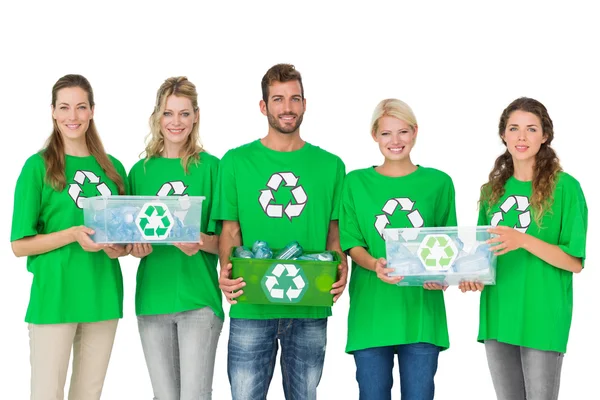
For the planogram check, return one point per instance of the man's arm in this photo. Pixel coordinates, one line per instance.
(231, 236)
(333, 244)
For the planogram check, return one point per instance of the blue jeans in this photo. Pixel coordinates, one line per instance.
(252, 353)
(180, 353)
(417, 364)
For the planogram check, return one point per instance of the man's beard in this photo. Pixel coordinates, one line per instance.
(274, 123)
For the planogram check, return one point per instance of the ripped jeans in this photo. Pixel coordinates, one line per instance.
(252, 352)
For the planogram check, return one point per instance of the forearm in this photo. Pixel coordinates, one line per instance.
(230, 237)
(552, 254)
(42, 243)
(210, 244)
(333, 241)
(362, 257)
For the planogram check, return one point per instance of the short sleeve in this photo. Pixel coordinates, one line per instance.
(214, 226)
(574, 220)
(226, 204)
(337, 192)
(28, 199)
(447, 205)
(350, 233)
(131, 179)
(122, 173)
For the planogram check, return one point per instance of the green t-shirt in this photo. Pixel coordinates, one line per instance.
(69, 283)
(382, 314)
(531, 304)
(168, 280)
(280, 197)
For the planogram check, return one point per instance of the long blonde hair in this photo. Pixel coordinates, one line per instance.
(177, 86)
(54, 148)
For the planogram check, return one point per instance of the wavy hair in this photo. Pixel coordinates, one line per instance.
(546, 168)
(54, 148)
(178, 86)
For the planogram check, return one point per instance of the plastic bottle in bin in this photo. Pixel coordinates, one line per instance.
(261, 250)
(242, 252)
(325, 256)
(263, 253)
(291, 250)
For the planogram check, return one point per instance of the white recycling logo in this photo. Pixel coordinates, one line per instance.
(291, 210)
(282, 287)
(522, 203)
(154, 221)
(75, 189)
(176, 188)
(402, 203)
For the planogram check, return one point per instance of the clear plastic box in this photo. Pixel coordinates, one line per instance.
(447, 255)
(144, 219)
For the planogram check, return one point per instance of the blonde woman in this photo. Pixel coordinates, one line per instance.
(178, 301)
(77, 289)
(385, 320)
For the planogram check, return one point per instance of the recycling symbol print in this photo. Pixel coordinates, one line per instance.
(437, 252)
(176, 188)
(291, 209)
(393, 204)
(154, 221)
(76, 189)
(522, 206)
(284, 283)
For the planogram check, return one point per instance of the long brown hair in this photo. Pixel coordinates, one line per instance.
(177, 86)
(54, 149)
(546, 169)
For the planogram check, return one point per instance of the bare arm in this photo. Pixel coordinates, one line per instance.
(509, 239)
(333, 244)
(552, 254)
(231, 235)
(362, 257)
(43, 243)
(209, 243)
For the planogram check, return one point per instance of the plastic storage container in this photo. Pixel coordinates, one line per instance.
(292, 282)
(446, 255)
(144, 219)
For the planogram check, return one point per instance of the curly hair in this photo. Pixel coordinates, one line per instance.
(546, 169)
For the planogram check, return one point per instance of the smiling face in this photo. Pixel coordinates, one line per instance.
(285, 107)
(72, 113)
(395, 137)
(523, 136)
(178, 119)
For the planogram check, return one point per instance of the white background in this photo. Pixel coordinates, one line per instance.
(458, 64)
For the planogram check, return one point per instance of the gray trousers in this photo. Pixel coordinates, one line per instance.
(180, 353)
(521, 373)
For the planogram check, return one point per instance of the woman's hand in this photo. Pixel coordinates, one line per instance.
(508, 239)
(471, 286)
(141, 250)
(382, 272)
(188, 248)
(116, 250)
(81, 234)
